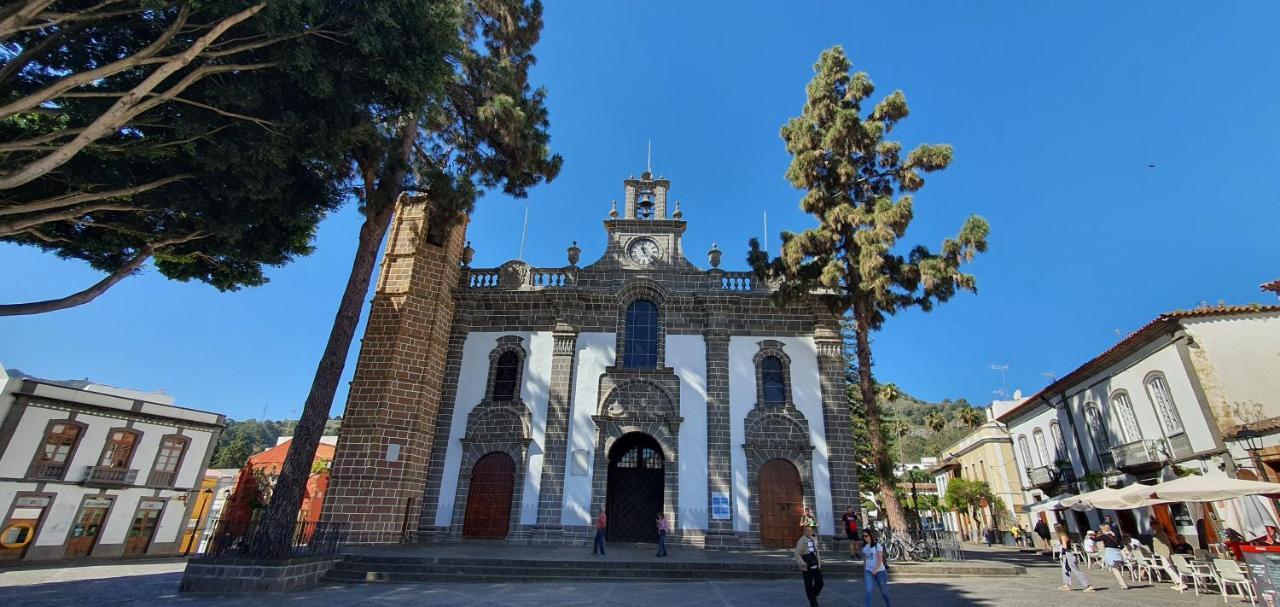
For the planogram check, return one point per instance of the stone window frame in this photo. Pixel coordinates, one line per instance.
(177, 467)
(106, 445)
(774, 348)
(652, 293)
(1166, 407)
(506, 343)
(761, 449)
(106, 518)
(37, 457)
(1122, 407)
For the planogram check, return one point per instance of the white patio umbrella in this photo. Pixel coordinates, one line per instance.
(1211, 489)
(1127, 498)
(1084, 501)
(1054, 503)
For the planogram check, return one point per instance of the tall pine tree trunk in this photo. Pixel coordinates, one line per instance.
(275, 530)
(879, 452)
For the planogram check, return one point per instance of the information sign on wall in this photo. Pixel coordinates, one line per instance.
(720, 506)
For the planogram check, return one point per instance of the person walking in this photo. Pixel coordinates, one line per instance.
(1112, 553)
(810, 565)
(1071, 571)
(850, 522)
(601, 522)
(1042, 530)
(662, 534)
(874, 571)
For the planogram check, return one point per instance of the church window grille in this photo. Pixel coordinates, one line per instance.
(1123, 407)
(1059, 445)
(1041, 447)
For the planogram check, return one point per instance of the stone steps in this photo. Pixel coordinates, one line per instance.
(395, 569)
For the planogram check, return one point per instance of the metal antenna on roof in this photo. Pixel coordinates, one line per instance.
(523, 232)
(1004, 384)
(1049, 374)
(648, 163)
(766, 230)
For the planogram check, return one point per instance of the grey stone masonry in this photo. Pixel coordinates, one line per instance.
(250, 575)
(839, 426)
(719, 467)
(559, 406)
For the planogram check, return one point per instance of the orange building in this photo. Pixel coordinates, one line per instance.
(258, 478)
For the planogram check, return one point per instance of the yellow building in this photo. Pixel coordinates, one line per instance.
(986, 454)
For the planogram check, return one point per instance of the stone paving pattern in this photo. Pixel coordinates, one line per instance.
(148, 584)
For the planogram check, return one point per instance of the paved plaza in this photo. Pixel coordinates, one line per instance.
(156, 582)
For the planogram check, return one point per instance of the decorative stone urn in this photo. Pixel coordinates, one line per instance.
(574, 254)
(713, 256)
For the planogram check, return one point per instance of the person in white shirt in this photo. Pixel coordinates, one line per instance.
(875, 574)
(1090, 542)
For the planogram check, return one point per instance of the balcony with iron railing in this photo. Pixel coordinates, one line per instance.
(1047, 477)
(1139, 456)
(108, 476)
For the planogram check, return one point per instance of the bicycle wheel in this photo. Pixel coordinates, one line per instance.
(893, 551)
(923, 551)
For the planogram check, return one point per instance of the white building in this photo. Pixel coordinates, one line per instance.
(1169, 399)
(93, 470)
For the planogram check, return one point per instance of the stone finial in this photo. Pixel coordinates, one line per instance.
(468, 254)
(678, 214)
(713, 256)
(613, 212)
(574, 254)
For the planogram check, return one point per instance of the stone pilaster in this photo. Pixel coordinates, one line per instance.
(556, 437)
(380, 467)
(719, 467)
(837, 424)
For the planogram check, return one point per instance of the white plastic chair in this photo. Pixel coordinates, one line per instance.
(1229, 574)
(1056, 547)
(1142, 566)
(1186, 570)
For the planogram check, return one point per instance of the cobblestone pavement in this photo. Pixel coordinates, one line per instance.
(152, 583)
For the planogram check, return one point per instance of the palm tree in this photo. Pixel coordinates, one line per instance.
(936, 421)
(971, 417)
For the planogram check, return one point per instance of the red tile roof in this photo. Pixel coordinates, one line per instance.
(1135, 340)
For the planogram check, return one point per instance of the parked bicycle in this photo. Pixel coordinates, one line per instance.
(902, 546)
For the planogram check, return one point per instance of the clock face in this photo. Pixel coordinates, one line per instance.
(643, 251)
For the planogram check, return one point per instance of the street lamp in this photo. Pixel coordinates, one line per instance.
(1253, 445)
(915, 500)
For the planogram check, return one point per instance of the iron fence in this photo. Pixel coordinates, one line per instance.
(230, 538)
(921, 545)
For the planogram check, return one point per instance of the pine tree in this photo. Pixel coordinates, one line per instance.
(858, 185)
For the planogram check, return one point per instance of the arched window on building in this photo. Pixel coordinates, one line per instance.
(169, 457)
(60, 440)
(1027, 462)
(506, 372)
(1098, 434)
(640, 341)
(118, 452)
(1158, 391)
(1123, 407)
(1059, 445)
(1041, 447)
(773, 381)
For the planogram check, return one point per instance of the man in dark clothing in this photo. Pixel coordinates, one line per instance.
(850, 521)
(1042, 530)
(601, 525)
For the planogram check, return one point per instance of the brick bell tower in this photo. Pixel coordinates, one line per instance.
(380, 467)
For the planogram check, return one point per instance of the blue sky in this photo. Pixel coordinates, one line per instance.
(1055, 111)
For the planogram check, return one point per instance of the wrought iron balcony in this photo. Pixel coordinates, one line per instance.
(1139, 456)
(109, 476)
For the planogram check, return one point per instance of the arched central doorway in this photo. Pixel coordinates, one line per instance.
(781, 504)
(635, 490)
(489, 497)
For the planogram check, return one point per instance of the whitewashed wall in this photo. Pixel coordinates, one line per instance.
(26, 439)
(1245, 353)
(687, 354)
(806, 392)
(595, 352)
(471, 387)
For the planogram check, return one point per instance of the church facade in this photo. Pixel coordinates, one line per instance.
(518, 402)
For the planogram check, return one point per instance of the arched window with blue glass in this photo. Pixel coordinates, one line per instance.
(640, 341)
(773, 381)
